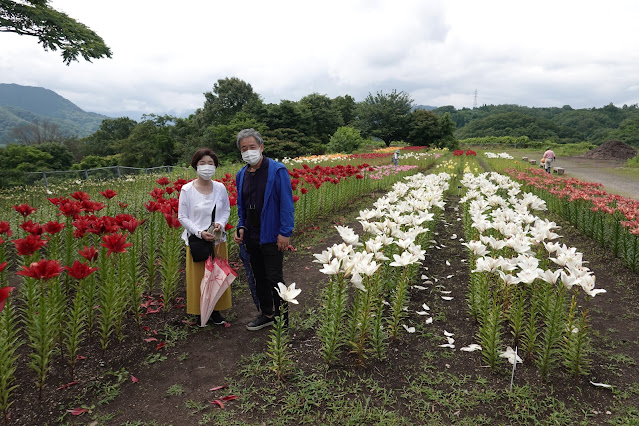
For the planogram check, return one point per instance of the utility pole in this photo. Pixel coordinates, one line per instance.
(475, 100)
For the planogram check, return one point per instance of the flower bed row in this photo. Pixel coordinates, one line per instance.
(516, 295)
(367, 294)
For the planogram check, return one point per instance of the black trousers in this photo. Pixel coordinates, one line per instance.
(266, 262)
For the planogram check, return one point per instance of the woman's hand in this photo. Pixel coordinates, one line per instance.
(207, 236)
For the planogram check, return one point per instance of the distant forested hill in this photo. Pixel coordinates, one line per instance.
(565, 124)
(22, 105)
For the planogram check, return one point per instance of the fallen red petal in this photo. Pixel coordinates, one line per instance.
(178, 306)
(78, 411)
(227, 324)
(188, 322)
(134, 379)
(67, 385)
(229, 397)
(218, 403)
(217, 388)
(160, 346)
(81, 357)
(150, 339)
(145, 328)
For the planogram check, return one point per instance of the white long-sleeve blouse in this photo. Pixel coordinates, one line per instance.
(195, 208)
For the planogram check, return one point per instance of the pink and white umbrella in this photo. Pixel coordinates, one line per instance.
(218, 276)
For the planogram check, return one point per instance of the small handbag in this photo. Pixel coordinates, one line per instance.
(200, 248)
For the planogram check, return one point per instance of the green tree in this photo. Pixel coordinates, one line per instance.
(385, 116)
(221, 138)
(425, 128)
(345, 140)
(150, 143)
(62, 157)
(229, 97)
(24, 158)
(347, 107)
(111, 132)
(324, 118)
(54, 30)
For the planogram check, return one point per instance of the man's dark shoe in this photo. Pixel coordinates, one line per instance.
(259, 323)
(217, 318)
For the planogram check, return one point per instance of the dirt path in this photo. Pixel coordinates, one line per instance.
(602, 171)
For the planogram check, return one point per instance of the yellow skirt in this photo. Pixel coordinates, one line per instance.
(194, 275)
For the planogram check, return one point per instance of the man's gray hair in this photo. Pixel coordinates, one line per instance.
(246, 133)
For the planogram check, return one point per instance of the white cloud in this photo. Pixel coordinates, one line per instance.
(165, 54)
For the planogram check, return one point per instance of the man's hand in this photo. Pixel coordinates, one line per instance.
(239, 239)
(282, 242)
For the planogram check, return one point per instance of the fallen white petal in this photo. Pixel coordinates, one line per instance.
(429, 320)
(446, 345)
(424, 277)
(601, 385)
(450, 276)
(409, 329)
(421, 312)
(385, 303)
(428, 282)
(425, 306)
(471, 348)
(419, 287)
(453, 237)
(447, 298)
(445, 291)
(446, 333)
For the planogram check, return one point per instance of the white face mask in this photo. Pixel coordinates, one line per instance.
(205, 171)
(252, 156)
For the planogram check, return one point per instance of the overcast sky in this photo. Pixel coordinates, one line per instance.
(166, 54)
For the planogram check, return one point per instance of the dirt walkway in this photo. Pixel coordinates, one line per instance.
(602, 171)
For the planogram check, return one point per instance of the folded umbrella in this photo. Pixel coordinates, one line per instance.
(218, 276)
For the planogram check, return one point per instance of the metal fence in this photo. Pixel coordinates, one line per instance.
(100, 173)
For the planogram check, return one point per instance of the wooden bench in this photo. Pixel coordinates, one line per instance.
(559, 170)
(524, 159)
(533, 161)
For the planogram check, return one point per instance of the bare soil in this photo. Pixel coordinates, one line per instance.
(216, 356)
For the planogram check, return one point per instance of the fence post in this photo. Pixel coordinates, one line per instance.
(44, 176)
(119, 174)
(86, 174)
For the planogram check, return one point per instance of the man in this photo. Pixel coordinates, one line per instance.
(549, 157)
(266, 219)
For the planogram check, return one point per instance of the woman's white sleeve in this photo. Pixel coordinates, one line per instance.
(184, 213)
(223, 208)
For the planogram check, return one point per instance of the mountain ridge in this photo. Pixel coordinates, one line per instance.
(22, 105)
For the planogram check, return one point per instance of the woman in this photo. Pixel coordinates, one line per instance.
(197, 200)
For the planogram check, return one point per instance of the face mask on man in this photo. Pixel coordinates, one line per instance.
(252, 156)
(205, 171)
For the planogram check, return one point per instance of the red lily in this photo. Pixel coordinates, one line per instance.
(24, 209)
(70, 208)
(2, 266)
(115, 243)
(89, 253)
(5, 228)
(29, 245)
(80, 270)
(53, 227)
(4, 293)
(131, 224)
(80, 195)
(163, 181)
(108, 193)
(32, 228)
(172, 221)
(42, 270)
(122, 205)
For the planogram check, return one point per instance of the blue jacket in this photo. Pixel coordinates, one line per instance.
(278, 212)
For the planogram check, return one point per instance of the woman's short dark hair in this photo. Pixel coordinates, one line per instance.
(203, 152)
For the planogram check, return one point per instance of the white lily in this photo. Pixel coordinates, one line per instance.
(288, 293)
(511, 356)
(331, 268)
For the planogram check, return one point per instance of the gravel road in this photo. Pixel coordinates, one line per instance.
(602, 171)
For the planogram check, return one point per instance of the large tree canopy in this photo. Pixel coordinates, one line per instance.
(385, 116)
(54, 30)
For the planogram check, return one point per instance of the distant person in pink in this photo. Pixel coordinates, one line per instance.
(549, 156)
